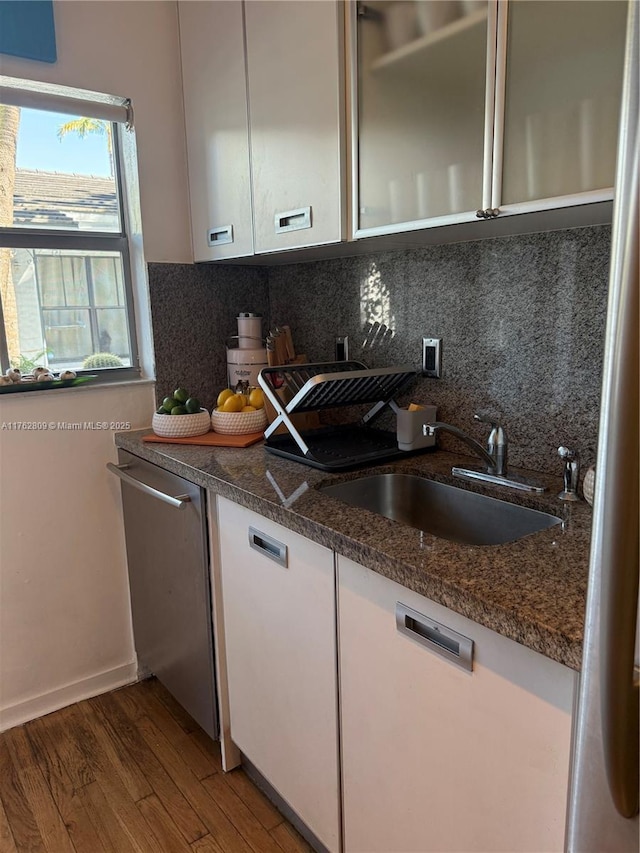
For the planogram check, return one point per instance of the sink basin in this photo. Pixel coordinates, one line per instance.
(444, 511)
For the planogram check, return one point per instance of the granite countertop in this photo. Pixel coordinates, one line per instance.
(532, 591)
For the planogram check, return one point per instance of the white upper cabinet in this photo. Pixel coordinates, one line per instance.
(419, 108)
(561, 74)
(264, 110)
(295, 66)
(458, 110)
(479, 108)
(215, 103)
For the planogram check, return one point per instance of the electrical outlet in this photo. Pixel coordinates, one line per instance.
(342, 348)
(432, 357)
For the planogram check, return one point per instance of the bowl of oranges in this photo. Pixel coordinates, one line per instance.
(239, 413)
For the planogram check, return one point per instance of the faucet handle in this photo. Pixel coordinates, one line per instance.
(496, 442)
(485, 418)
(498, 435)
(568, 454)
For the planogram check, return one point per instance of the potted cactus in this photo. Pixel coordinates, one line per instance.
(101, 359)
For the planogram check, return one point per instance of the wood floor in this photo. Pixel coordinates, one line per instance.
(129, 771)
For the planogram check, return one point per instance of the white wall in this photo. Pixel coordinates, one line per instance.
(131, 49)
(65, 628)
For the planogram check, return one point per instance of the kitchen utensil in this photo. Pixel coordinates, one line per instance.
(280, 344)
(249, 330)
(246, 353)
(243, 363)
(410, 431)
(434, 14)
(209, 439)
(312, 387)
(471, 7)
(401, 24)
(288, 340)
(588, 485)
(377, 337)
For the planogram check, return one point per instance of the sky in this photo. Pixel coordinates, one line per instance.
(40, 148)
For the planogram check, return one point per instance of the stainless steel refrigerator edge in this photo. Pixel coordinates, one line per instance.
(167, 556)
(603, 790)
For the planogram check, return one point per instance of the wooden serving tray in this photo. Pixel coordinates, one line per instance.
(210, 439)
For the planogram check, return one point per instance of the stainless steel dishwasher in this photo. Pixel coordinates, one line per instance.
(167, 555)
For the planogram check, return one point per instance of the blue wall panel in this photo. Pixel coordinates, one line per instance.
(27, 29)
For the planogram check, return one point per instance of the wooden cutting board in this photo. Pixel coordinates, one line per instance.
(210, 439)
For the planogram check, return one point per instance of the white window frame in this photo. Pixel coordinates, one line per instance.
(118, 111)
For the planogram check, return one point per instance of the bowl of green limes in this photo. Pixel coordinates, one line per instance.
(180, 416)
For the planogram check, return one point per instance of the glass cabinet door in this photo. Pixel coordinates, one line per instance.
(421, 81)
(562, 96)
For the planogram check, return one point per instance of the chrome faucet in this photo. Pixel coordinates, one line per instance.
(486, 455)
(495, 456)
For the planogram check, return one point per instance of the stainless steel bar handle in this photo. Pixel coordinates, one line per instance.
(449, 644)
(220, 236)
(616, 505)
(179, 502)
(268, 547)
(293, 220)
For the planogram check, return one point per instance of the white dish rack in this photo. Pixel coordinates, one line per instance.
(299, 388)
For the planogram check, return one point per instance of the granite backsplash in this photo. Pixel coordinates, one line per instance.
(193, 312)
(522, 321)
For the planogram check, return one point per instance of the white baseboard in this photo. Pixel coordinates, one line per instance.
(103, 682)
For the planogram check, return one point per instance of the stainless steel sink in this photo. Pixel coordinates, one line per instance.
(444, 511)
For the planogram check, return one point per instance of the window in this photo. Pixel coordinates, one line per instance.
(65, 282)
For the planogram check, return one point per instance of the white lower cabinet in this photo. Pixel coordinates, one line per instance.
(278, 592)
(436, 757)
(437, 754)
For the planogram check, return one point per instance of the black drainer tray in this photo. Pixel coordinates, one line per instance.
(340, 448)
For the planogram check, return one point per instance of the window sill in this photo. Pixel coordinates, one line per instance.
(77, 389)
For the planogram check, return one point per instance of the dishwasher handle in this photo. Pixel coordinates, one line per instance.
(179, 502)
(438, 638)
